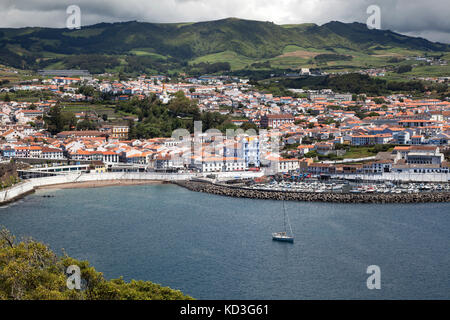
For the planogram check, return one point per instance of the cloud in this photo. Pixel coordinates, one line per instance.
(413, 17)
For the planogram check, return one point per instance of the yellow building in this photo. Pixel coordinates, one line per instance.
(120, 132)
(97, 167)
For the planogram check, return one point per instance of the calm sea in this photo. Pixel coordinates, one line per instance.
(213, 247)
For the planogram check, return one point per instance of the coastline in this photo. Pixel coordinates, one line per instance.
(98, 184)
(17, 198)
(77, 181)
(239, 192)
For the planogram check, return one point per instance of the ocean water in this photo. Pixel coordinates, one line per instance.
(214, 247)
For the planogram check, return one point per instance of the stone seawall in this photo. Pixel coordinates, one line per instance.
(239, 192)
(29, 186)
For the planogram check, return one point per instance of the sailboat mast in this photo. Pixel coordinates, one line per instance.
(290, 226)
(284, 210)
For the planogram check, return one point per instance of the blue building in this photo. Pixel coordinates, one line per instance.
(9, 153)
(247, 149)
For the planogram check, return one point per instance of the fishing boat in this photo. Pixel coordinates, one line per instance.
(284, 236)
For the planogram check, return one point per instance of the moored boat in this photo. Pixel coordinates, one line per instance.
(284, 236)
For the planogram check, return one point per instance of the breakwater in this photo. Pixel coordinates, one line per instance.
(240, 192)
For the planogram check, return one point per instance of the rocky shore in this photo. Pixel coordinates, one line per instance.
(239, 192)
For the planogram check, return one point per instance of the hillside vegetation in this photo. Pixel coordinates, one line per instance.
(135, 46)
(29, 270)
(8, 175)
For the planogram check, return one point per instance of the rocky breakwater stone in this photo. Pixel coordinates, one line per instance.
(239, 192)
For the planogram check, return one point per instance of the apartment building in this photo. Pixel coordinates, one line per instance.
(366, 140)
(120, 132)
(275, 121)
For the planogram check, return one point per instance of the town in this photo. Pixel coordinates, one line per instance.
(318, 133)
(224, 151)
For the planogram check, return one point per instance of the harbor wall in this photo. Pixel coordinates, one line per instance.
(240, 192)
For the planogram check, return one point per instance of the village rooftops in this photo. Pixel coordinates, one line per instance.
(415, 148)
(78, 134)
(280, 116)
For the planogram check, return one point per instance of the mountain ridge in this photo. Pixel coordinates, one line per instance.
(185, 42)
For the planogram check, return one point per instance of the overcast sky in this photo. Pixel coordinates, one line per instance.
(425, 18)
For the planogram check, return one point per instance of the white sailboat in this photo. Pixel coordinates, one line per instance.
(284, 236)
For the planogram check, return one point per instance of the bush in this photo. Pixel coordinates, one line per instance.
(29, 270)
(403, 69)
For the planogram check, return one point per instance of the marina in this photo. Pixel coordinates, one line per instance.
(337, 187)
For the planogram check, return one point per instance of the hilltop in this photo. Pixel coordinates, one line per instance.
(143, 47)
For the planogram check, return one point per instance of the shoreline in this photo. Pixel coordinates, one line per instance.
(239, 192)
(98, 184)
(17, 198)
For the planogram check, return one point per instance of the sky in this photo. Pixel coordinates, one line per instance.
(427, 19)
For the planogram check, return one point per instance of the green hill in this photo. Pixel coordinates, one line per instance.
(166, 47)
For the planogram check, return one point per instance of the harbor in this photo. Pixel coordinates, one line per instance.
(323, 192)
(348, 187)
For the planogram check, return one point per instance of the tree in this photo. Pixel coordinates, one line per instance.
(311, 154)
(7, 98)
(54, 120)
(379, 101)
(105, 117)
(87, 125)
(58, 121)
(249, 125)
(403, 69)
(69, 120)
(29, 270)
(86, 90)
(183, 107)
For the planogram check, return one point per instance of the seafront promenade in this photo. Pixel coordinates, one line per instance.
(29, 186)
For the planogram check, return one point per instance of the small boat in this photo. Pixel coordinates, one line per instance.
(283, 236)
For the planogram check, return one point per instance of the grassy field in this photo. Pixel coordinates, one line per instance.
(295, 57)
(430, 71)
(358, 152)
(82, 107)
(147, 52)
(236, 61)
